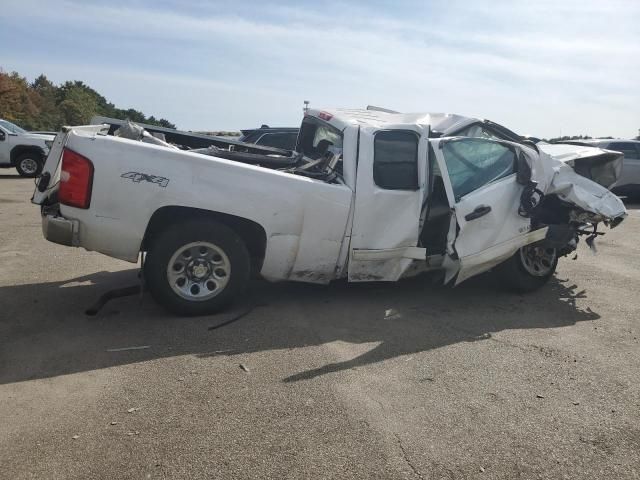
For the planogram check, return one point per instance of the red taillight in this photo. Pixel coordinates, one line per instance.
(76, 179)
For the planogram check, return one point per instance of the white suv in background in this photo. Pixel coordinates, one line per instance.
(26, 151)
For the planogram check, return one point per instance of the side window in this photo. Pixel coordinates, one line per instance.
(395, 160)
(475, 162)
(628, 148)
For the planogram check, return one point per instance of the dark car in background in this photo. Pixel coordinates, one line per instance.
(276, 137)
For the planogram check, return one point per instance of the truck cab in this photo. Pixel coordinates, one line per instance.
(424, 201)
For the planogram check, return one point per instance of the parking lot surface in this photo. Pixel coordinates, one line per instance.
(409, 380)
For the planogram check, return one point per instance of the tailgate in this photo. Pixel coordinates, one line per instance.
(48, 182)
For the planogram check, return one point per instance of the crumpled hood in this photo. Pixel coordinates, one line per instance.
(602, 166)
(567, 153)
(572, 183)
(589, 196)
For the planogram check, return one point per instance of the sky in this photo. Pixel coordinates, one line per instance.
(542, 68)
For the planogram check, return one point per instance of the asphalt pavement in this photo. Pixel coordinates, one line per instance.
(401, 381)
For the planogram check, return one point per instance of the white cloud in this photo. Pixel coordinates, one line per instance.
(537, 67)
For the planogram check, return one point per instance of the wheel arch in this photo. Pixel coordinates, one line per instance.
(22, 149)
(252, 233)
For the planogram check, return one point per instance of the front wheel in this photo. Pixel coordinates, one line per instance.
(197, 267)
(29, 164)
(528, 269)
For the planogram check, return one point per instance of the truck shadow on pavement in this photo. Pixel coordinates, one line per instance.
(45, 333)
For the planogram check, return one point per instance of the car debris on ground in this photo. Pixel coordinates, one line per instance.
(125, 349)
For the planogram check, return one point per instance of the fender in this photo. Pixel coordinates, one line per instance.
(20, 149)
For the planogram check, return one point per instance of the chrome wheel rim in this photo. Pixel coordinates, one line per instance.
(538, 261)
(198, 271)
(29, 166)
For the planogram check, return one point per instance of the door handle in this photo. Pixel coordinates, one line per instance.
(480, 211)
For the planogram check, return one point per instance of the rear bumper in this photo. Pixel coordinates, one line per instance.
(59, 230)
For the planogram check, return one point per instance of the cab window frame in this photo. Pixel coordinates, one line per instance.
(307, 135)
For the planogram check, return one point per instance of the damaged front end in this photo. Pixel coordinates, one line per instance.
(567, 192)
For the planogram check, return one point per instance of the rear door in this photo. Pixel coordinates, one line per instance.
(480, 180)
(390, 184)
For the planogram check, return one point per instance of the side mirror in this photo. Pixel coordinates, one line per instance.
(2, 136)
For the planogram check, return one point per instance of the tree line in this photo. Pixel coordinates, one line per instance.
(572, 137)
(42, 105)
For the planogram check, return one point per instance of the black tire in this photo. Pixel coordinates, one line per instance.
(517, 277)
(173, 242)
(25, 164)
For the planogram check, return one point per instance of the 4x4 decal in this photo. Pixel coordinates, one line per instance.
(138, 177)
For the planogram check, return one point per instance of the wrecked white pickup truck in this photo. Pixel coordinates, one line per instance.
(370, 195)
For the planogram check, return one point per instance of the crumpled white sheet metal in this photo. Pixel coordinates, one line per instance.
(602, 166)
(580, 191)
(133, 131)
(557, 177)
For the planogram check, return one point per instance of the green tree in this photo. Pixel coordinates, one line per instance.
(17, 102)
(165, 123)
(77, 105)
(42, 105)
(50, 117)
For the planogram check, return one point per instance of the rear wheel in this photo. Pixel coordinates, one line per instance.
(528, 269)
(197, 267)
(29, 164)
